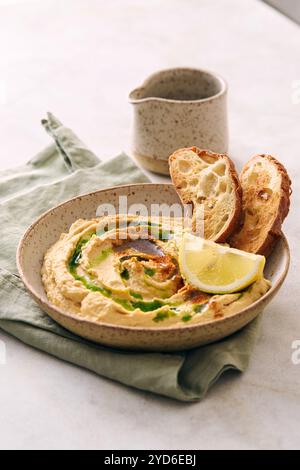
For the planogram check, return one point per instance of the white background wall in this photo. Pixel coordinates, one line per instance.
(289, 7)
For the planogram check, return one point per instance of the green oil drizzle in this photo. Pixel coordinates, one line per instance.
(149, 271)
(125, 274)
(158, 231)
(187, 317)
(148, 306)
(127, 304)
(199, 308)
(161, 316)
(76, 257)
(136, 295)
(101, 257)
(196, 309)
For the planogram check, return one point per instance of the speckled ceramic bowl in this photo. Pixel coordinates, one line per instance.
(46, 231)
(178, 108)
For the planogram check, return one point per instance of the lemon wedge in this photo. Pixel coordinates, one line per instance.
(215, 268)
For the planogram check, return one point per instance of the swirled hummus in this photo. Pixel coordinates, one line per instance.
(124, 270)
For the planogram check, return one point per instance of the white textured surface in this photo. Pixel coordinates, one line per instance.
(79, 59)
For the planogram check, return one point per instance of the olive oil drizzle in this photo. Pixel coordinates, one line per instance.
(130, 305)
(158, 231)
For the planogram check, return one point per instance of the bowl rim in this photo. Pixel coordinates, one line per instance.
(49, 306)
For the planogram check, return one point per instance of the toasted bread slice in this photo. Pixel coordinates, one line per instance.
(210, 183)
(266, 201)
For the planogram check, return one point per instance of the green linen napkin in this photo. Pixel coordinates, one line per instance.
(66, 169)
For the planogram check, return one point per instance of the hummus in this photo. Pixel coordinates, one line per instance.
(124, 270)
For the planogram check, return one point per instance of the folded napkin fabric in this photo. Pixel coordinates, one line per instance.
(64, 170)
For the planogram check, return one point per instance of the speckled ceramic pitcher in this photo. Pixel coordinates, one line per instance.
(177, 108)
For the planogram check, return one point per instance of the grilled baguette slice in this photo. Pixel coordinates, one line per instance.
(210, 183)
(266, 201)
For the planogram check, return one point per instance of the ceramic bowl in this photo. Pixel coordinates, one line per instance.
(45, 232)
